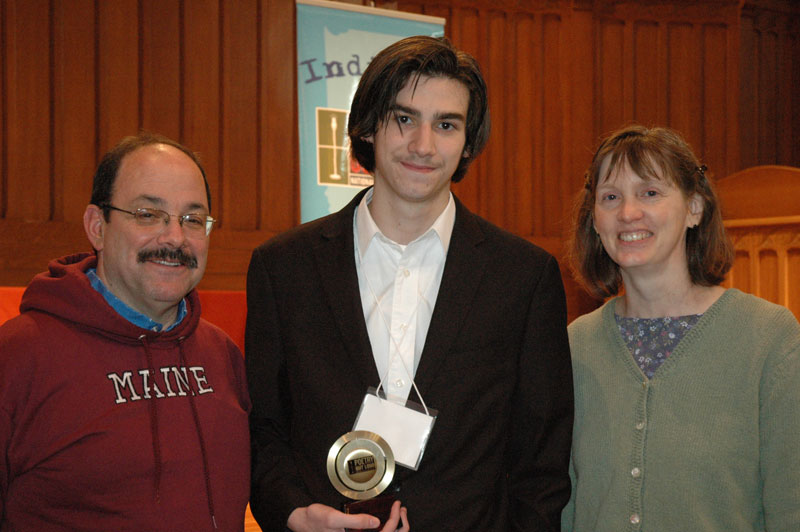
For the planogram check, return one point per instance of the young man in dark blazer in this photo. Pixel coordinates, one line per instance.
(406, 287)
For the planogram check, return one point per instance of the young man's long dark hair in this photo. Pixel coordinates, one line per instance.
(388, 73)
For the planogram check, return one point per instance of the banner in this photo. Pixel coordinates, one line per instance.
(335, 43)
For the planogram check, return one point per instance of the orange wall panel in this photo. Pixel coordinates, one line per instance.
(74, 112)
(715, 74)
(118, 94)
(161, 67)
(240, 127)
(648, 84)
(793, 274)
(610, 105)
(27, 110)
(201, 102)
(278, 184)
(768, 278)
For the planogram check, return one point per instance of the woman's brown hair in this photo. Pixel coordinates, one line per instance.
(655, 153)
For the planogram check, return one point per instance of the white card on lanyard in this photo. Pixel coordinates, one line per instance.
(405, 429)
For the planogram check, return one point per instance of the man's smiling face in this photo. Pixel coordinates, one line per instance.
(151, 268)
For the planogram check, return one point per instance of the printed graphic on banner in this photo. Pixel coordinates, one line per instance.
(335, 166)
(335, 43)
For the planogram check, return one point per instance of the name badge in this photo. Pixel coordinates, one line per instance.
(405, 428)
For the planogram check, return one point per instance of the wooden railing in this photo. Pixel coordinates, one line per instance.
(761, 206)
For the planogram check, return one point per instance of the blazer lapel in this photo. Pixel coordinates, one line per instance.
(334, 255)
(463, 270)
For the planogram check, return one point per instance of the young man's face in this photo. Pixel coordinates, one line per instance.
(420, 144)
(161, 177)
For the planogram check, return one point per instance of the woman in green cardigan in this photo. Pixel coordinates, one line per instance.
(687, 395)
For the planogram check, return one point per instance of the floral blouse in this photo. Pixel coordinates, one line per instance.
(652, 340)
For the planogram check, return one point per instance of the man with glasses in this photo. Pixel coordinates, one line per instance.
(120, 408)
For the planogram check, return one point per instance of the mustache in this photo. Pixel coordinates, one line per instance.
(172, 255)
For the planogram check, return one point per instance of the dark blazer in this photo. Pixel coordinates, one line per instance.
(495, 364)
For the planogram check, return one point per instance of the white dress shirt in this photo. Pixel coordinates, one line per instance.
(399, 285)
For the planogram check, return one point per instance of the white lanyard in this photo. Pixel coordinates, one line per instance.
(391, 336)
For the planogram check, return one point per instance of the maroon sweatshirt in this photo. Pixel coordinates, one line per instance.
(106, 426)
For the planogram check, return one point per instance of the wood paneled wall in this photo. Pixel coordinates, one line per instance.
(767, 262)
(764, 228)
(77, 75)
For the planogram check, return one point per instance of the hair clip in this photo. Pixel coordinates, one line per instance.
(587, 182)
(701, 170)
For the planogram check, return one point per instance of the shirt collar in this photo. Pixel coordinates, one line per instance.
(131, 314)
(366, 228)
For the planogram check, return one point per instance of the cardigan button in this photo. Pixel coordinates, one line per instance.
(636, 472)
(635, 519)
(640, 425)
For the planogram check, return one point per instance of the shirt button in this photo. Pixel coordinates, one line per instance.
(636, 472)
(640, 425)
(635, 519)
(399, 383)
(406, 273)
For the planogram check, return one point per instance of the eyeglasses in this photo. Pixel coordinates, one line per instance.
(193, 223)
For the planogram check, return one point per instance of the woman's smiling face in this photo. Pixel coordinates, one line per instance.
(642, 222)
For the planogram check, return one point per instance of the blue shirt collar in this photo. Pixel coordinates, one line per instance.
(130, 314)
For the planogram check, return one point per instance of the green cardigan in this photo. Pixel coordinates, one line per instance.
(711, 443)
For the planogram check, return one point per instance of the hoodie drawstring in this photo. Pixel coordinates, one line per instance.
(202, 441)
(154, 428)
(153, 421)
